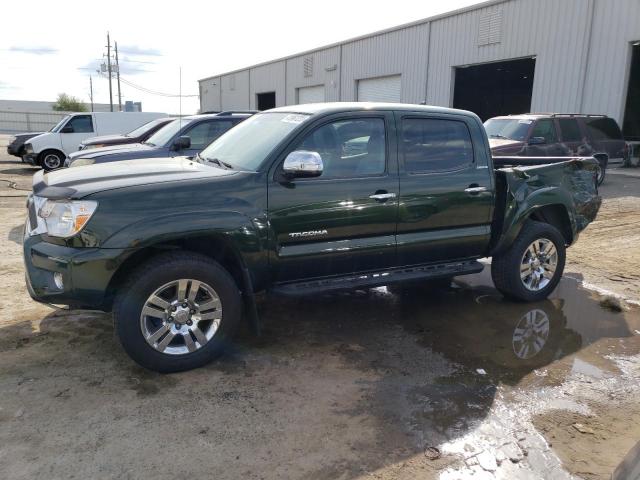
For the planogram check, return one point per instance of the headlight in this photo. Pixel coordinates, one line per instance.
(28, 148)
(65, 218)
(82, 161)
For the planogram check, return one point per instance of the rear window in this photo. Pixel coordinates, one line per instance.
(603, 128)
(433, 145)
(570, 130)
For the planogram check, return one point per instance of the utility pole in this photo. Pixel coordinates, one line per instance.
(118, 75)
(109, 71)
(91, 91)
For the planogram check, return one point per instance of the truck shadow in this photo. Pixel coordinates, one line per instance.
(378, 376)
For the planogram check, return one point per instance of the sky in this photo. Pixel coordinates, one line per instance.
(58, 45)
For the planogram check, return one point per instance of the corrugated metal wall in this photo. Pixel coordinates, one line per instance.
(616, 26)
(267, 78)
(582, 50)
(324, 71)
(403, 52)
(552, 31)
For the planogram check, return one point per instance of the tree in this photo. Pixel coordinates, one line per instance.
(68, 103)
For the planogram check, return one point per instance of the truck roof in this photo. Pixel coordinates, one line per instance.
(338, 107)
(533, 116)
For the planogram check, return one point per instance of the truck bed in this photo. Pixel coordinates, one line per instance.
(522, 183)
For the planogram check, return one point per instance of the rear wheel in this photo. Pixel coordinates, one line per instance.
(177, 312)
(51, 160)
(531, 269)
(601, 169)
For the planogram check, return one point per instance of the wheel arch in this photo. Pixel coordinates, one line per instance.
(42, 154)
(216, 246)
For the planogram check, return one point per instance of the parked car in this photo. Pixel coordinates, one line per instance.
(138, 135)
(177, 247)
(50, 149)
(16, 143)
(558, 135)
(185, 136)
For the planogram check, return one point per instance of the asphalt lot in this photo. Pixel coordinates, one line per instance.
(361, 385)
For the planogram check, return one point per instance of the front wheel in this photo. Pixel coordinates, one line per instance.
(51, 160)
(177, 312)
(532, 267)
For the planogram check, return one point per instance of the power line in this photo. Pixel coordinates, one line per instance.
(149, 91)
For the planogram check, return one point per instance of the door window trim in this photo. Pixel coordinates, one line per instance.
(401, 165)
(312, 128)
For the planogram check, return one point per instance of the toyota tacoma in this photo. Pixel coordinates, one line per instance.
(297, 200)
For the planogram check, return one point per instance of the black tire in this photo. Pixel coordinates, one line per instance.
(505, 268)
(602, 168)
(157, 272)
(51, 160)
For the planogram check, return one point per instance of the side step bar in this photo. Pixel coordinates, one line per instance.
(376, 279)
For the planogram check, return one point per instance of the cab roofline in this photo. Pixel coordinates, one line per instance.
(341, 107)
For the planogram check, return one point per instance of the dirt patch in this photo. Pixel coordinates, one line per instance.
(591, 446)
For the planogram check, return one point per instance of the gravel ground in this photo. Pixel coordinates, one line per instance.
(451, 383)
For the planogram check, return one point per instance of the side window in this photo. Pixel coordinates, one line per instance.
(81, 124)
(603, 128)
(205, 132)
(570, 130)
(349, 148)
(545, 128)
(434, 145)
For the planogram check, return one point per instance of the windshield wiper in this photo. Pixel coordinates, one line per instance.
(219, 162)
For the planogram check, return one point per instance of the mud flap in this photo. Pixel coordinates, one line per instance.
(249, 301)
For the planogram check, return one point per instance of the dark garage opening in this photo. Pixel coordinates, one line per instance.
(266, 100)
(493, 89)
(631, 125)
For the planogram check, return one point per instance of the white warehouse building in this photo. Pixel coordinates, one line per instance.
(497, 57)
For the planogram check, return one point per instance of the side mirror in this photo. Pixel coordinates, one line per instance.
(67, 129)
(303, 164)
(537, 141)
(182, 143)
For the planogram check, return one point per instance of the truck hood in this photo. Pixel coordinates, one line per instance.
(79, 182)
(133, 149)
(500, 143)
(105, 139)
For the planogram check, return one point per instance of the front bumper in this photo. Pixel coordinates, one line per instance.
(30, 158)
(86, 272)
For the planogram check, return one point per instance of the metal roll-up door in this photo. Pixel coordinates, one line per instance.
(381, 89)
(313, 94)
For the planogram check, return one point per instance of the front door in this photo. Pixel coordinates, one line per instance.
(202, 134)
(447, 191)
(343, 221)
(77, 129)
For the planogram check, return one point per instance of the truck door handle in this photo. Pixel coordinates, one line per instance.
(383, 197)
(475, 190)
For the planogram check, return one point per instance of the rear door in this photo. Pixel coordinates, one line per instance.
(605, 137)
(571, 137)
(77, 128)
(343, 221)
(446, 189)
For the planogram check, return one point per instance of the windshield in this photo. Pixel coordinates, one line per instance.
(508, 128)
(59, 125)
(245, 146)
(162, 137)
(143, 129)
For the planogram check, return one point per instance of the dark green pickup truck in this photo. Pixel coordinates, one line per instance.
(296, 200)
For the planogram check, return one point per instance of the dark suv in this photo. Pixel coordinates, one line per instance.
(184, 136)
(558, 135)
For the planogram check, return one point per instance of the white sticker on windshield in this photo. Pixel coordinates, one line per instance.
(526, 122)
(294, 118)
